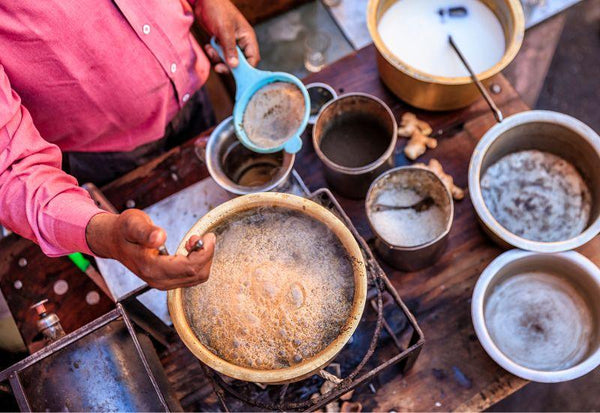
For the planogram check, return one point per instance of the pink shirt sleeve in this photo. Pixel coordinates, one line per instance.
(37, 199)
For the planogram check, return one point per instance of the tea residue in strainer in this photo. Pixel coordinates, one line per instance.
(274, 114)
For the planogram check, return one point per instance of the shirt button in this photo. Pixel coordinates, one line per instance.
(186, 97)
(173, 67)
(146, 29)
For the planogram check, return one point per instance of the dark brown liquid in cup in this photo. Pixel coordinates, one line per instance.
(354, 140)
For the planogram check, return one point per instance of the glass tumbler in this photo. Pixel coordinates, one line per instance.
(315, 50)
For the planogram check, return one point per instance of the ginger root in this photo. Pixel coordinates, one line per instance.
(436, 167)
(409, 123)
(418, 131)
(418, 144)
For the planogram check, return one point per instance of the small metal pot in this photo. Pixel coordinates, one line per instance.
(420, 256)
(239, 170)
(354, 182)
(570, 266)
(552, 132)
(430, 92)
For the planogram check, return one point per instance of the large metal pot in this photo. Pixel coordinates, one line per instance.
(546, 131)
(311, 365)
(431, 92)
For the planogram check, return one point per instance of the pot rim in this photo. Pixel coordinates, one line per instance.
(478, 318)
(311, 365)
(313, 118)
(515, 39)
(415, 247)
(475, 166)
(224, 181)
(377, 162)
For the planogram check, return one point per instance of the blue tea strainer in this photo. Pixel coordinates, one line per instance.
(248, 81)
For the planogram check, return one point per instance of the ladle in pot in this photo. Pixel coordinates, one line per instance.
(497, 112)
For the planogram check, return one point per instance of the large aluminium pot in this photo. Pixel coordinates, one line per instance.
(431, 92)
(546, 131)
(311, 365)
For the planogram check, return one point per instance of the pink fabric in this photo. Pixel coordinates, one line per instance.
(83, 75)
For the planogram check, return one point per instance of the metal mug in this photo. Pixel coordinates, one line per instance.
(232, 165)
(419, 256)
(320, 94)
(354, 182)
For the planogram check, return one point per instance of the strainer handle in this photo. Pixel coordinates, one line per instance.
(244, 74)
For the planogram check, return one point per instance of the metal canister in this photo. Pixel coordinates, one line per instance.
(413, 257)
(48, 324)
(354, 181)
(431, 92)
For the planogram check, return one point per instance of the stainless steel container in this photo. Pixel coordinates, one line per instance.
(570, 266)
(552, 132)
(420, 256)
(239, 170)
(354, 182)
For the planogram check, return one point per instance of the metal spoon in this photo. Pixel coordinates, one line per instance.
(497, 113)
(422, 205)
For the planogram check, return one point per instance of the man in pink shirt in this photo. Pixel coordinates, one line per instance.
(102, 79)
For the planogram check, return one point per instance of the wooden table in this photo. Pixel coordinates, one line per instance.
(452, 373)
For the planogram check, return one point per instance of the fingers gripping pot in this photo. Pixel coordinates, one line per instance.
(310, 365)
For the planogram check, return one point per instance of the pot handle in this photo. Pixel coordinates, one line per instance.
(200, 148)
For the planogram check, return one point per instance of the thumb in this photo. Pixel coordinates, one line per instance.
(138, 228)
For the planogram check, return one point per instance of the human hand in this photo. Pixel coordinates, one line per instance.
(224, 21)
(133, 239)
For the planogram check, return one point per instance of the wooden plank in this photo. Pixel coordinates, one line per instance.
(528, 71)
(37, 281)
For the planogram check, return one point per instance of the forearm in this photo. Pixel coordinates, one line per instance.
(37, 199)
